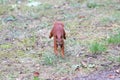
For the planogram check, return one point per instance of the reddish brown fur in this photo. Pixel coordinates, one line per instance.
(58, 33)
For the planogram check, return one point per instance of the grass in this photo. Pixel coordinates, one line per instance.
(97, 48)
(29, 41)
(1, 26)
(114, 39)
(114, 58)
(20, 53)
(116, 16)
(4, 9)
(3, 1)
(107, 20)
(91, 4)
(6, 46)
(46, 6)
(6, 54)
(34, 20)
(49, 58)
(111, 18)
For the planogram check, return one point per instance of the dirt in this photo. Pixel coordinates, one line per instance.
(25, 47)
(110, 74)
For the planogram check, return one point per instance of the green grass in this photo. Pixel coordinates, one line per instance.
(116, 16)
(4, 9)
(20, 53)
(112, 18)
(38, 20)
(114, 58)
(46, 6)
(3, 1)
(29, 41)
(6, 54)
(36, 78)
(96, 48)
(6, 46)
(1, 27)
(91, 4)
(114, 39)
(48, 58)
(107, 20)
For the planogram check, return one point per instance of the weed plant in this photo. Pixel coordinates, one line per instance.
(96, 48)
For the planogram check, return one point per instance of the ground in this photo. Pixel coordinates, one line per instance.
(25, 46)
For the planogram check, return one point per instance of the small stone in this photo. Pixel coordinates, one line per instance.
(117, 71)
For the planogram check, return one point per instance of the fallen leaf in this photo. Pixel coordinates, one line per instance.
(117, 71)
(36, 74)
